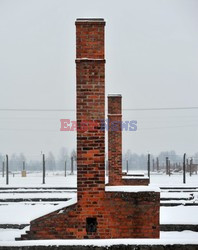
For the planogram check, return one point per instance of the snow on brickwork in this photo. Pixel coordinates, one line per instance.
(131, 189)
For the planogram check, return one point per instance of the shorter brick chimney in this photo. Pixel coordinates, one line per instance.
(116, 177)
(115, 139)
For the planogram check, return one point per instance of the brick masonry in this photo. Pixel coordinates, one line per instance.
(115, 139)
(136, 181)
(119, 215)
(116, 176)
(97, 214)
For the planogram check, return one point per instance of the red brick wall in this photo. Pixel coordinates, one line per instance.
(115, 139)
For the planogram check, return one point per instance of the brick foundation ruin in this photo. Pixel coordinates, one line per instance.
(100, 212)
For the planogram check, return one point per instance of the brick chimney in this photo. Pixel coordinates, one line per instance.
(90, 74)
(115, 139)
(99, 213)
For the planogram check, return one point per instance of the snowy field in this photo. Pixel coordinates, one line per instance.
(57, 179)
(185, 237)
(176, 180)
(12, 212)
(53, 179)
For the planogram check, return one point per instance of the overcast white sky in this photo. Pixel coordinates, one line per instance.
(152, 60)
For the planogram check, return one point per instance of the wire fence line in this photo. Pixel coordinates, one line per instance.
(74, 110)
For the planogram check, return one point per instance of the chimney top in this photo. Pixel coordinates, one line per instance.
(114, 95)
(90, 20)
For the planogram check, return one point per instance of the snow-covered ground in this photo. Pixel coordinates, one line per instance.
(165, 194)
(57, 179)
(60, 195)
(175, 180)
(179, 215)
(35, 180)
(10, 234)
(24, 212)
(185, 237)
(20, 213)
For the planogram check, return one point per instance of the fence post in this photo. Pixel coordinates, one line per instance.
(23, 165)
(65, 168)
(174, 166)
(167, 165)
(157, 164)
(184, 168)
(149, 166)
(7, 171)
(72, 165)
(191, 162)
(127, 166)
(153, 164)
(3, 169)
(187, 166)
(43, 168)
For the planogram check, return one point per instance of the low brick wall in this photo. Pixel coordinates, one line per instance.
(117, 215)
(136, 181)
(134, 175)
(178, 227)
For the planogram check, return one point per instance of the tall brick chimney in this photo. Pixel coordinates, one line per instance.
(115, 139)
(90, 74)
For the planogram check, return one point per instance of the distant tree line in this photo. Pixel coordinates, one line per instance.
(57, 163)
(34, 163)
(139, 161)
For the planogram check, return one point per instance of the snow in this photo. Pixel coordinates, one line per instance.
(24, 212)
(162, 180)
(114, 94)
(35, 180)
(190, 235)
(174, 195)
(130, 189)
(134, 172)
(177, 202)
(37, 195)
(89, 59)
(166, 238)
(57, 179)
(19, 213)
(60, 206)
(179, 215)
(135, 177)
(11, 234)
